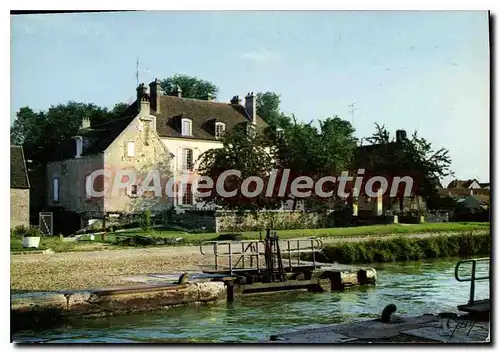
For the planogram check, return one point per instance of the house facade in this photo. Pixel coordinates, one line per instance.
(469, 187)
(158, 132)
(19, 188)
(366, 206)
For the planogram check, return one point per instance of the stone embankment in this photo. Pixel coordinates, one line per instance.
(54, 307)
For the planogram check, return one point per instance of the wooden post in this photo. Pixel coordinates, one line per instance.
(103, 235)
(230, 290)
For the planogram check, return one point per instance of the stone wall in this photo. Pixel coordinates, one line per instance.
(19, 207)
(437, 216)
(223, 222)
(278, 220)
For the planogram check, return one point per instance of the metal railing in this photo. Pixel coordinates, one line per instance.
(250, 251)
(472, 279)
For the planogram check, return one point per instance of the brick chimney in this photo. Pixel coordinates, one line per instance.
(235, 100)
(142, 100)
(400, 135)
(251, 107)
(155, 93)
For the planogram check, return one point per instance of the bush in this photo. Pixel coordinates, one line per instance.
(146, 220)
(230, 236)
(403, 248)
(23, 231)
(18, 231)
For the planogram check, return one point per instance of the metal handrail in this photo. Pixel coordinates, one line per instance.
(255, 248)
(472, 279)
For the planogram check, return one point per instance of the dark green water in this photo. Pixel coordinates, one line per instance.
(416, 288)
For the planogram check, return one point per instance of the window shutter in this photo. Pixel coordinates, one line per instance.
(130, 149)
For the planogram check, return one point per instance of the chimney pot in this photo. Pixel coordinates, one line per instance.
(236, 100)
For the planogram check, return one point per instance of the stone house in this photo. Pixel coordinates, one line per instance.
(19, 188)
(459, 189)
(366, 206)
(470, 184)
(157, 132)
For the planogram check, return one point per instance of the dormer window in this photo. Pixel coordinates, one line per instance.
(186, 127)
(219, 129)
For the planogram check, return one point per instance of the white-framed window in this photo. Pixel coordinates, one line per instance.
(187, 197)
(186, 127)
(130, 149)
(55, 189)
(219, 129)
(187, 159)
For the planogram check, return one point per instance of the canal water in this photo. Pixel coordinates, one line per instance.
(415, 288)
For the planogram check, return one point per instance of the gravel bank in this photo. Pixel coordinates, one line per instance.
(85, 270)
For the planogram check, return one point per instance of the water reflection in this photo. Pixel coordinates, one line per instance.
(415, 288)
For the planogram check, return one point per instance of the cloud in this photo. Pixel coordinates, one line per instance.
(261, 56)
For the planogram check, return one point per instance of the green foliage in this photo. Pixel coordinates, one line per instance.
(316, 152)
(414, 157)
(23, 231)
(18, 231)
(41, 133)
(404, 249)
(268, 108)
(145, 220)
(430, 248)
(191, 86)
(247, 154)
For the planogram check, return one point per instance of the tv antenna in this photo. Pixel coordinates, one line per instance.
(137, 73)
(352, 109)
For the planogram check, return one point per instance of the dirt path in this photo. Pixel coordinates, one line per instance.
(81, 270)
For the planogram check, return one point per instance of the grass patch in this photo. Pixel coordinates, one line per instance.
(404, 248)
(110, 241)
(57, 245)
(363, 231)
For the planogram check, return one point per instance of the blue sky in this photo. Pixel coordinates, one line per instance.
(425, 71)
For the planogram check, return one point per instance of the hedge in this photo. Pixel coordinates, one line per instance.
(403, 248)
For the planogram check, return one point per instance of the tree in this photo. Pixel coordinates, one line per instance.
(268, 108)
(40, 133)
(192, 87)
(250, 156)
(309, 151)
(413, 157)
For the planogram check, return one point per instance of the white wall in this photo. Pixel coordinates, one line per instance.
(176, 145)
